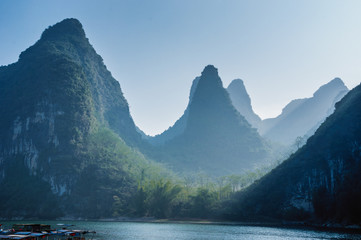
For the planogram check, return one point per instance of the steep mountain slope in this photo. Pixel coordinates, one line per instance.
(320, 181)
(216, 138)
(60, 106)
(242, 102)
(303, 116)
(179, 126)
(68, 38)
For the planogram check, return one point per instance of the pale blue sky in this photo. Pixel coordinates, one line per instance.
(282, 49)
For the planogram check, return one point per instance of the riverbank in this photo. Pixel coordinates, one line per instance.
(330, 227)
(165, 229)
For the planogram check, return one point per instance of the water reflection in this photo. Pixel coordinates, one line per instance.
(165, 231)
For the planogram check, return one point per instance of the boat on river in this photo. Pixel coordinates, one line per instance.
(45, 232)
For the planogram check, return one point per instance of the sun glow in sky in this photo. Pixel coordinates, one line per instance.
(282, 49)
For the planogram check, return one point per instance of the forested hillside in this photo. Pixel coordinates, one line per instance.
(65, 131)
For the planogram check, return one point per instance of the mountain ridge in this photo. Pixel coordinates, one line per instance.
(179, 126)
(300, 116)
(65, 130)
(67, 39)
(242, 102)
(214, 130)
(69, 146)
(318, 183)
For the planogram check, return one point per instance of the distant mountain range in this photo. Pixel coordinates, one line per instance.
(69, 146)
(300, 118)
(321, 181)
(66, 129)
(303, 116)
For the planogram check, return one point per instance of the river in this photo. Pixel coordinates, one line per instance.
(176, 231)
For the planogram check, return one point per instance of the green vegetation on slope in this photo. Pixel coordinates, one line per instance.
(68, 148)
(63, 123)
(199, 196)
(110, 170)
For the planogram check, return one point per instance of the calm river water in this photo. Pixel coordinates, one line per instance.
(174, 231)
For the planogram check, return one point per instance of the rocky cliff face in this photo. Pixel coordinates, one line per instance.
(55, 103)
(27, 139)
(68, 38)
(47, 108)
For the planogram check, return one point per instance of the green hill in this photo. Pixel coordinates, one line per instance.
(65, 132)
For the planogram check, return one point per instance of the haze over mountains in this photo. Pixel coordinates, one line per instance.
(242, 102)
(212, 136)
(299, 118)
(303, 116)
(321, 181)
(180, 125)
(69, 146)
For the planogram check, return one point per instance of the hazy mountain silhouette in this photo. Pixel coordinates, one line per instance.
(303, 116)
(214, 137)
(179, 126)
(320, 181)
(242, 102)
